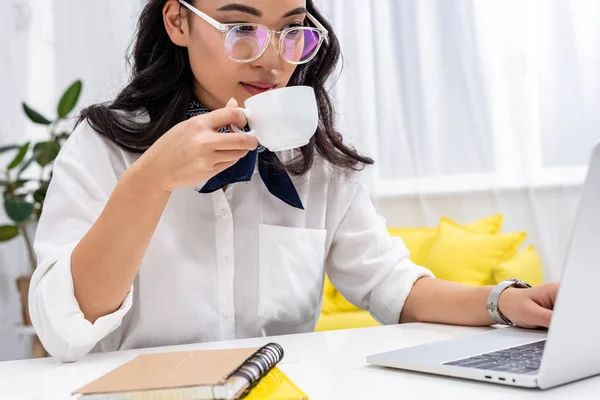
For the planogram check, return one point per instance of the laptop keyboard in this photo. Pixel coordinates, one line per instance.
(517, 360)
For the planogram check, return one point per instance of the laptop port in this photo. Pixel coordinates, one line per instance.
(502, 379)
(488, 377)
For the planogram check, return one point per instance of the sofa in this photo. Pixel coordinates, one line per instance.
(476, 254)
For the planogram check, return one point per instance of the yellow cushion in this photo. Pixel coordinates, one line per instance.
(525, 266)
(333, 301)
(341, 304)
(462, 256)
(329, 291)
(419, 240)
(345, 320)
(491, 224)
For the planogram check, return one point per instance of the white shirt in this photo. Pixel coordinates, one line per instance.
(220, 266)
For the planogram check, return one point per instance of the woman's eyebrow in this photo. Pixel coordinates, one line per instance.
(296, 11)
(256, 12)
(241, 8)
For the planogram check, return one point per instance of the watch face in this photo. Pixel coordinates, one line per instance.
(520, 284)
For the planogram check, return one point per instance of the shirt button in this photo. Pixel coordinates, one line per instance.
(224, 213)
(226, 260)
(227, 313)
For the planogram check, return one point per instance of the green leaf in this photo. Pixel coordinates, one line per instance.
(20, 156)
(4, 149)
(46, 152)
(40, 195)
(18, 209)
(35, 116)
(69, 99)
(8, 232)
(63, 135)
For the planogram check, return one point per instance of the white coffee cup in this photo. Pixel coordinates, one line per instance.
(282, 119)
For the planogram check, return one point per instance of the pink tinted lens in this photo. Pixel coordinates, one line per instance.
(300, 44)
(245, 42)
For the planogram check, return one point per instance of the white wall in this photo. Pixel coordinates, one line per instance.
(14, 36)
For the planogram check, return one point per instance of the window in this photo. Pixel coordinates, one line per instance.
(471, 95)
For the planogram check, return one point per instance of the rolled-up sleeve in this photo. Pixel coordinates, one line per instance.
(84, 175)
(368, 266)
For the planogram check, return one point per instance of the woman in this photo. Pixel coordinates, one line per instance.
(155, 232)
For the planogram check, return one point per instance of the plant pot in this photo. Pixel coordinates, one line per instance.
(23, 282)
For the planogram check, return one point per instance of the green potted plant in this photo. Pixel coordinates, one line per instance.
(24, 192)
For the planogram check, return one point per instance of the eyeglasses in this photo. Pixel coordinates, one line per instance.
(244, 43)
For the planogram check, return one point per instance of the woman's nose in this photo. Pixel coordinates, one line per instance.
(271, 58)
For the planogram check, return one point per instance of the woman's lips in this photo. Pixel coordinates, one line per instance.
(255, 88)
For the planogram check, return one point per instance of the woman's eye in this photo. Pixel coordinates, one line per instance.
(247, 28)
(294, 31)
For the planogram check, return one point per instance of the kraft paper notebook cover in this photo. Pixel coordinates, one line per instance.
(210, 374)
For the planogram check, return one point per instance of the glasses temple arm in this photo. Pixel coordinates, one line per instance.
(318, 25)
(205, 17)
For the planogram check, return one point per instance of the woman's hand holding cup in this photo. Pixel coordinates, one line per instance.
(194, 150)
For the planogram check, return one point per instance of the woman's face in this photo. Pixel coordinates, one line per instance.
(217, 77)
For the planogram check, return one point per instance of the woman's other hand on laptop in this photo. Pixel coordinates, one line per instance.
(529, 308)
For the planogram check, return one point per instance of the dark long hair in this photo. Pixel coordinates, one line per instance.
(162, 85)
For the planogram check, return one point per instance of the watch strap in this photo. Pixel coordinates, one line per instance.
(493, 298)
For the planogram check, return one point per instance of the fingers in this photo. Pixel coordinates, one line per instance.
(229, 155)
(236, 141)
(545, 295)
(538, 315)
(226, 116)
(222, 166)
(552, 292)
(232, 103)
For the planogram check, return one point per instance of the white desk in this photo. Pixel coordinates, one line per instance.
(328, 365)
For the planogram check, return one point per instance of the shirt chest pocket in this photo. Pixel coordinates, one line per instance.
(290, 273)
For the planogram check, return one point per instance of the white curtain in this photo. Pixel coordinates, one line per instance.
(473, 107)
(44, 46)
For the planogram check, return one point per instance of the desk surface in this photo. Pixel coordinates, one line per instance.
(328, 365)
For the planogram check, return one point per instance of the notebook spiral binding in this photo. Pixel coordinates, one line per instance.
(258, 365)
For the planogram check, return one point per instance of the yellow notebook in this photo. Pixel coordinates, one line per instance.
(276, 386)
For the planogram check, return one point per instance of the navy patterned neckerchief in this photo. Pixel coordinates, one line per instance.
(275, 178)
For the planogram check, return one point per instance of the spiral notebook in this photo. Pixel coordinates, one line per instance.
(204, 374)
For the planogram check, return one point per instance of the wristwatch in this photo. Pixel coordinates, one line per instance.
(492, 302)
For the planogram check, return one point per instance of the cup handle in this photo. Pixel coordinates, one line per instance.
(238, 130)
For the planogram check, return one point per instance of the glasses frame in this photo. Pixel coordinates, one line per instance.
(226, 28)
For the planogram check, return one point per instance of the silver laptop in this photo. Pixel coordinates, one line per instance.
(568, 351)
